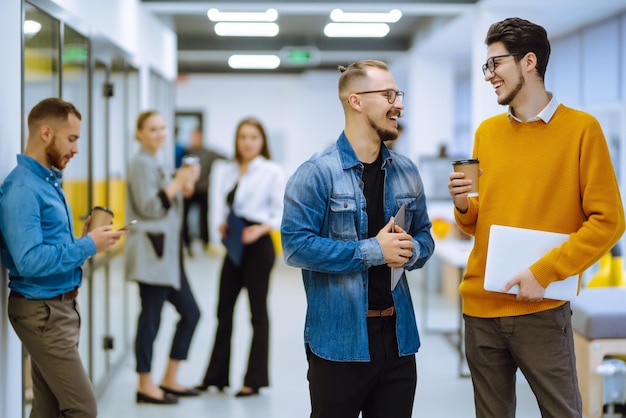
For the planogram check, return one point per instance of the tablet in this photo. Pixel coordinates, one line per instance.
(399, 219)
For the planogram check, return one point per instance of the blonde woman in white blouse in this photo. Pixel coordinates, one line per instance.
(252, 189)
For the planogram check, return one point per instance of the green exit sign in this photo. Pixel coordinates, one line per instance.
(300, 56)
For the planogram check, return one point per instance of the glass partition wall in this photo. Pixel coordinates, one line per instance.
(60, 61)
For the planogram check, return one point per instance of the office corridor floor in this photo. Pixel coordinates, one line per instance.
(441, 392)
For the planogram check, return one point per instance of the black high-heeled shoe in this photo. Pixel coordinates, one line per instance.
(203, 387)
(180, 393)
(167, 399)
(245, 392)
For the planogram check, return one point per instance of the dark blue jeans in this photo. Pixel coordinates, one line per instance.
(152, 300)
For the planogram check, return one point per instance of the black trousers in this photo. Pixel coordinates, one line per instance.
(200, 198)
(152, 300)
(381, 388)
(254, 275)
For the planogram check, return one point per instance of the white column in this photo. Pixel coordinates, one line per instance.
(429, 103)
(484, 101)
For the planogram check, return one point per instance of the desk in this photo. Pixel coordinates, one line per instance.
(455, 253)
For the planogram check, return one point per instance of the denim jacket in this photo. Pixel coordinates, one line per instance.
(324, 232)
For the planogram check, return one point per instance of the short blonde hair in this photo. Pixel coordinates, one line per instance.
(354, 73)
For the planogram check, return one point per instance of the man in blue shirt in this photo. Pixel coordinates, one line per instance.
(44, 260)
(360, 331)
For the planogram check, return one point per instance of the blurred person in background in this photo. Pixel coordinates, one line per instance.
(154, 258)
(201, 194)
(252, 191)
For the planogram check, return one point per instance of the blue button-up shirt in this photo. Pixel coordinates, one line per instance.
(38, 246)
(324, 232)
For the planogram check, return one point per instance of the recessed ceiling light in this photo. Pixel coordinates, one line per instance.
(254, 62)
(246, 29)
(356, 30)
(31, 27)
(270, 15)
(338, 15)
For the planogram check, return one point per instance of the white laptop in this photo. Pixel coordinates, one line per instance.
(512, 250)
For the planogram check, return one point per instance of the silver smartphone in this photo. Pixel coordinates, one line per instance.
(128, 225)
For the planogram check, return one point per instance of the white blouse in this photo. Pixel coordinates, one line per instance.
(259, 195)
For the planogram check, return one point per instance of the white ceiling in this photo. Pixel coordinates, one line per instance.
(439, 24)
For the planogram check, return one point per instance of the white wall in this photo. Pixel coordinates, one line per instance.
(301, 113)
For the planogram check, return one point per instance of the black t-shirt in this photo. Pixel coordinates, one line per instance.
(379, 291)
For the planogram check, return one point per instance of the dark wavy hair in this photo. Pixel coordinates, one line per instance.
(520, 37)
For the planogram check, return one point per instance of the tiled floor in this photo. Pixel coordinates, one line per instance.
(441, 393)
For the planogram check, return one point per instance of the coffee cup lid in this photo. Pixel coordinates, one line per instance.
(465, 161)
(191, 159)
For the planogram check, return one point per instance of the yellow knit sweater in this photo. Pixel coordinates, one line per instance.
(554, 177)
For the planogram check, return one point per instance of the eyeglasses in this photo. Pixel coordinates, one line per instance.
(491, 62)
(391, 94)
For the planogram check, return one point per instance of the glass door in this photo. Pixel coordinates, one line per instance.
(42, 40)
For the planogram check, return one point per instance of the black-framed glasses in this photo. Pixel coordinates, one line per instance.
(491, 62)
(392, 95)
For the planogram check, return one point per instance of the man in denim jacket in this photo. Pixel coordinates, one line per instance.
(360, 334)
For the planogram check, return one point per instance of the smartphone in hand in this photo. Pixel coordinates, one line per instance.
(128, 225)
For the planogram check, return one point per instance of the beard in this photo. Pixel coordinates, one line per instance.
(385, 134)
(506, 100)
(55, 157)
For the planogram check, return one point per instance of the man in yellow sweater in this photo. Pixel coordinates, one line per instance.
(543, 166)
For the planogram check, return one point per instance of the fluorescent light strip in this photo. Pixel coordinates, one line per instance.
(246, 29)
(356, 30)
(338, 15)
(254, 62)
(270, 15)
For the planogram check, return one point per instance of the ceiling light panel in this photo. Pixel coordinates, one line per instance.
(356, 30)
(258, 29)
(254, 62)
(270, 15)
(31, 27)
(338, 15)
